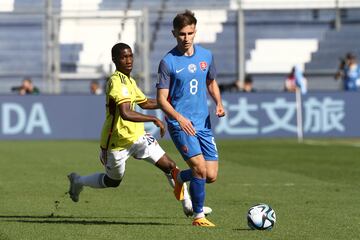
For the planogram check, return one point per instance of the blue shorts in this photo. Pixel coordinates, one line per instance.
(189, 146)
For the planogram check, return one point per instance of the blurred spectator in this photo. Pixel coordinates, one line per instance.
(230, 87)
(238, 86)
(95, 88)
(26, 88)
(248, 84)
(294, 80)
(290, 85)
(349, 72)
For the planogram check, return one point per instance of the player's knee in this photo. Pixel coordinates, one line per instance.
(211, 176)
(199, 172)
(109, 182)
(211, 171)
(211, 179)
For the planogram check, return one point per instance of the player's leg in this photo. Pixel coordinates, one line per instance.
(197, 190)
(114, 163)
(190, 149)
(186, 176)
(197, 183)
(210, 153)
(182, 178)
(168, 166)
(183, 144)
(211, 171)
(148, 149)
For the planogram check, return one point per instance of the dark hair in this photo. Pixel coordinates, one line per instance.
(184, 19)
(117, 48)
(248, 79)
(350, 55)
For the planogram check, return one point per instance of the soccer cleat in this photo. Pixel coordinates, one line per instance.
(75, 187)
(179, 187)
(187, 207)
(202, 222)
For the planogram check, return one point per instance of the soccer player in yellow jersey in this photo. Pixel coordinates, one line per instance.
(123, 134)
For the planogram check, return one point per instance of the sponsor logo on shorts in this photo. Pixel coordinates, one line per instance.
(184, 148)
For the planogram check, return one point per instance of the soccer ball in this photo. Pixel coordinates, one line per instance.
(261, 217)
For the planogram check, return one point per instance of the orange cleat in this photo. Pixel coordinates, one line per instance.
(179, 187)
(202, 222)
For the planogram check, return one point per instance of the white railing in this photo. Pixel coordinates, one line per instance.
(294, 4)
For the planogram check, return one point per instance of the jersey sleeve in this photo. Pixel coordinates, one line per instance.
(118, 91)
(211, 75)
(163, 80)
(140, 96)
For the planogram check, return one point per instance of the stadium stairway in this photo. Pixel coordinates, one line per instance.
(21, 49)
(334, 46)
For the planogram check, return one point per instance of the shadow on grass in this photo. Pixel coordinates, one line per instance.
(71, 220)
(242, 229)
(35, 217)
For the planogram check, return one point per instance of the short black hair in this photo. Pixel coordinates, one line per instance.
(184, 19)
(117, 48)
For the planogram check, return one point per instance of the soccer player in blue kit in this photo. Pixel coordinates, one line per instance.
(185, 74)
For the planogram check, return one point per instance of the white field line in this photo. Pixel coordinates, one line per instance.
(331, 143)
(268, 184)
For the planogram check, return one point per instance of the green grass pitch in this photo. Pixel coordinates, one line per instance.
(313, 187)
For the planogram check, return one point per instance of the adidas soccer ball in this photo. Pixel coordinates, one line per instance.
(261, 217)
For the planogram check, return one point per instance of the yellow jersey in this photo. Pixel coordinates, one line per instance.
(117, 133)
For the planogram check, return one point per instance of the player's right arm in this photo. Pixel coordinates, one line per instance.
(185, 124)
(163, 85)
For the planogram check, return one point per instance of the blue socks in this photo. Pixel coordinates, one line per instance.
(197, 189)
(186, 175)
(197, 193)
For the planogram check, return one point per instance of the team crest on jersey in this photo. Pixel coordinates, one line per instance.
(184, 148)
(203, 66)
(192, 68)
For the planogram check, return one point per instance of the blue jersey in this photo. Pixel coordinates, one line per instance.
(185, 77)
(351, 75)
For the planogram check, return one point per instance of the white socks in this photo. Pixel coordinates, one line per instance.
(95, 180)
(199, 215)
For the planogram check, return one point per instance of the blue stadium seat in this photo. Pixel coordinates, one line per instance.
(21, 48)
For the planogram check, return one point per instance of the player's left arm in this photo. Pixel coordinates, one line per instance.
(214, 92)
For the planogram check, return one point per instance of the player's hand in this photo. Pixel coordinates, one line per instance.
(220, 112)
(186, 126)
(160, 125)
